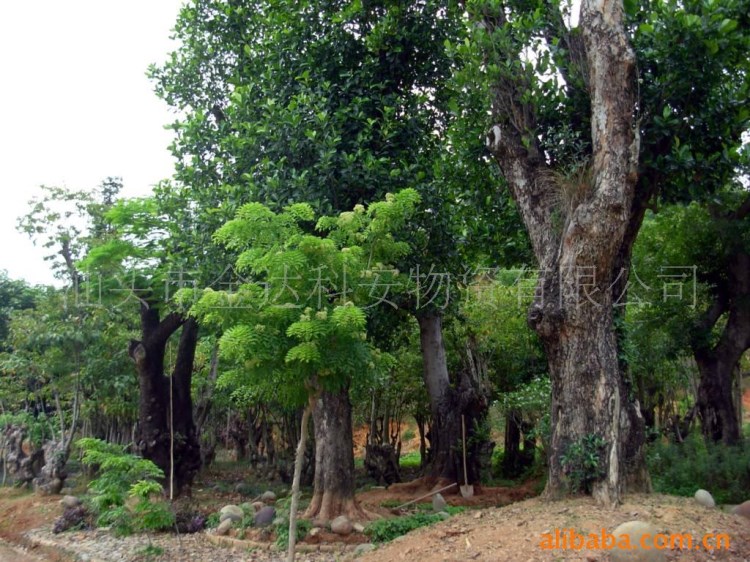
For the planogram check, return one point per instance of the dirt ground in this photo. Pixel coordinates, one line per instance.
(514, 533)
(22, 511)
(484, 532)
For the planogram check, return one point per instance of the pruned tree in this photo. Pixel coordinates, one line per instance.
(577, 228)
(586, 146)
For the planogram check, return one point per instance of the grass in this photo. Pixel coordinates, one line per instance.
(410, 460)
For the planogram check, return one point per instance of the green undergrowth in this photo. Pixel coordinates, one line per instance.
(682, 468)
(385, 530)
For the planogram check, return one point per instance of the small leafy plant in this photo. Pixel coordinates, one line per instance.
(282, 532)
(582, 462)
(122, 477)
(385, 530)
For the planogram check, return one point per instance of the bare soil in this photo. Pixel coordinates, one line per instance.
(514, 533)
(21, 511)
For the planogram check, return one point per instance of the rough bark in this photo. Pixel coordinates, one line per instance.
(155, 402)
(579, 263)
(448, 402)
(334, 486)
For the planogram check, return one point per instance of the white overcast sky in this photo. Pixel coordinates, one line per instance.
(76, 106)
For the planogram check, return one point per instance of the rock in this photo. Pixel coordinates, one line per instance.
(363, 549)
(231, 512)
(268, 497)
(257, 506)
(70, 501)
(438, 503)
(704, 498)
(265, 516)
(444, 515)
(224, 527)
(341, 525)
(358, 528)
(743, 509)
(634, 530)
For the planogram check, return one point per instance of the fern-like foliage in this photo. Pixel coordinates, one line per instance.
(303, 310)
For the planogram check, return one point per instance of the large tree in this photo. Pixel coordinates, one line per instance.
(577, 241)
(334, 104)
(136, 261)
(570, 123)
(706, 314)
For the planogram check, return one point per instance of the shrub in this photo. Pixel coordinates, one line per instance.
(408, 435)
(282, 532)
(582, 462)
(121, 476)
(410, 460)
(682, 468)
(385, 530)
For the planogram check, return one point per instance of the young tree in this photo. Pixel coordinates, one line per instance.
(298, 323)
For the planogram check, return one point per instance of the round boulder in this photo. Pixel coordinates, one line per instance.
(268, 497)
(341, 525)
(224, 527)
(265, 516)
(244, 489)
(231, 512)
(743, 509)
(70, 501)
(704, 498)
(634, 542)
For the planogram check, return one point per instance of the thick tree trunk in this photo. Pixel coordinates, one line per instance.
(334, 485)
(715, 401)
(447, 404)
(579, 257)
(156, 404)
(717, 364)
(187, 453)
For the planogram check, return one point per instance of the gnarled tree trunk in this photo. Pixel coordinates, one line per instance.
(158, 408)
(580, 237)
(717, 363)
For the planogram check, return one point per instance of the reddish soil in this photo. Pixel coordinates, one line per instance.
(484, 496)
(21, 511)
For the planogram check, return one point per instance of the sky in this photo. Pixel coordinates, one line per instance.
(76, 106)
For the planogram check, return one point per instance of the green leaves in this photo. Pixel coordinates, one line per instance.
(295, 315)
(349, 318)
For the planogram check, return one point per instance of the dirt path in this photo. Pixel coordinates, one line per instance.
(10, 554)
